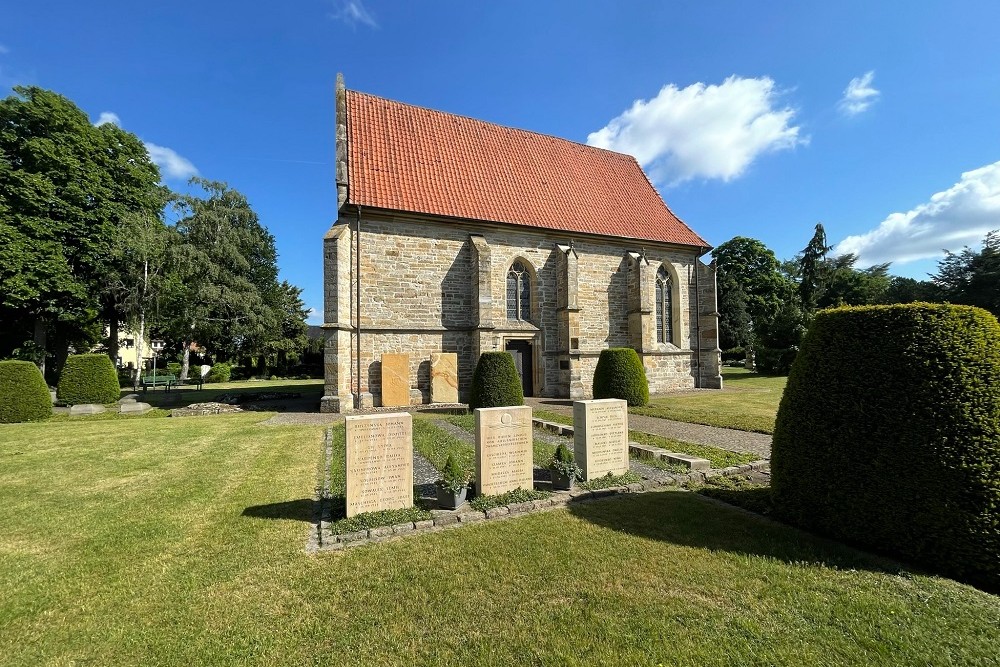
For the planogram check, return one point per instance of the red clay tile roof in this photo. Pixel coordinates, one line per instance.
(408, 158)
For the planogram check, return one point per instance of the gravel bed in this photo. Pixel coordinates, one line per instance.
(424, 476)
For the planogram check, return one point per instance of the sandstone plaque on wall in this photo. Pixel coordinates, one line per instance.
(503, 450)
(600, 437)
(379, 462)
(444, 377)
(395, 380)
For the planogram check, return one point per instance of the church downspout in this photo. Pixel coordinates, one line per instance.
(357, 304)
(697, 316)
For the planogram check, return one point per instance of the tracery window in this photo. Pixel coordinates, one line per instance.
(518, 292)
(664, 307)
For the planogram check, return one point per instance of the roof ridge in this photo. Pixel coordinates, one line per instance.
(497, 125)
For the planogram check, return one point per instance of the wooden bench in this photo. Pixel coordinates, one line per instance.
(165, 380)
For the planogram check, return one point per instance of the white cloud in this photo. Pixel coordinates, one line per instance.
(353, 12)
(170, 163)
(702, 131)
(108, 117)
(959, 216)
(314, 316)
(859, 94)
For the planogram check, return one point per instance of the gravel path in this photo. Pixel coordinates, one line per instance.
(758, 444)
(424, 476)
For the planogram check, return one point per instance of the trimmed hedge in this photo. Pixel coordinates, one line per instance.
(888, 435)
(24, 396)
(88, 378)
(495, 382)
(620, 374)
(219, 372)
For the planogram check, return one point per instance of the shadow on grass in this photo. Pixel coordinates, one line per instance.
(688, 519)
(308, 400)
(295, 510)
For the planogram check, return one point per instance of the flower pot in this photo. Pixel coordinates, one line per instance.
(561, 482)
(448, 500)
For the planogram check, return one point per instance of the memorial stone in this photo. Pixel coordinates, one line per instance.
(379, 462)
(503, 450)
(600, 437)
(444, 377)
(395, 380)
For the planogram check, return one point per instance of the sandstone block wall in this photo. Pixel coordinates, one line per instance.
(428, 285)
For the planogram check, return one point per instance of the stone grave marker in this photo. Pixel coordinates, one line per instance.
(379, 462)
(503, 450)
(395, 380)
(444, 377)
(600, 437)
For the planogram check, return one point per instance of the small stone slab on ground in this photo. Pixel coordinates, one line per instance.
(686, 460)
(200, 409)
(87, 409)
(134, 408)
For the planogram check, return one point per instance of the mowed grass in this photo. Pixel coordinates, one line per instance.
(181, 542)
(748, 402)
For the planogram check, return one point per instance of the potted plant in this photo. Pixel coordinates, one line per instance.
(563, 469)
(453, 485)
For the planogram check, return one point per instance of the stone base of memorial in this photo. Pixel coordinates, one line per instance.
(503, 450)
(379, 462)
(600, 437)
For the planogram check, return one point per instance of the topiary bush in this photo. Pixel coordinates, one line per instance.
(220, 372)
(888, 435)
(24, 396)
(495, 382)
(620, 374)
(88, 378)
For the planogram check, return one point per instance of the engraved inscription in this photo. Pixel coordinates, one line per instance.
(379, 462)
(503, 450)
(601, 437)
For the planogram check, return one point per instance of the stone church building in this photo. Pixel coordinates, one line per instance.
(460, 236)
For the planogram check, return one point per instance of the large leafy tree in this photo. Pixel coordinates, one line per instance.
(972, 277)
(64, 186)
(844, 285)
(751, 288)
(223, 271)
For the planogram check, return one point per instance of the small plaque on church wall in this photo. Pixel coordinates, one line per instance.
(600, 433)
(395, 380)
(503, 450)
(379, 462)
(444, 377)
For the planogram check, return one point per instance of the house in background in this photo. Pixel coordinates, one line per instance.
(458, 235)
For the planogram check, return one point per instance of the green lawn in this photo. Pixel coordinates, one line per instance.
(748, 402)
(181, 542)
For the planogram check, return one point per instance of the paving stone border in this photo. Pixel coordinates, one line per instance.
(322, 539)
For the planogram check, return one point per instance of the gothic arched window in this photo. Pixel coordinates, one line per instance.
(518, 292)
(664, 307)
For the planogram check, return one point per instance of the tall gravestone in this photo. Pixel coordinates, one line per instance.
(379, 462)
(503, 450)
(444, 377)
(395, 380)
(600, 437)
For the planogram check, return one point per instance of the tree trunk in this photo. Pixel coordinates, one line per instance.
(41, 340)
(186, 363)
(262, 367)
(112, 344)
(139, 345)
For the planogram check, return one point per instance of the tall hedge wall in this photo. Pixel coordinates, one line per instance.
(88, 378)
(620, 374)
(24, 397)
(495, 382)
(888, 435)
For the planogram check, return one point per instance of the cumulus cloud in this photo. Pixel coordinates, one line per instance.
(859, 94)
(108, 117)
(353, 12)
(314, 316)
(702, 131)
(170, 163)
(956, 217)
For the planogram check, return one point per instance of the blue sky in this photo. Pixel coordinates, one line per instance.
(879, 120)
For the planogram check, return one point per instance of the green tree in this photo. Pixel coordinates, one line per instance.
(813, 270)
(908, 290)
(972, 277)
(844, 285)
(223, 269)
(751, 288)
